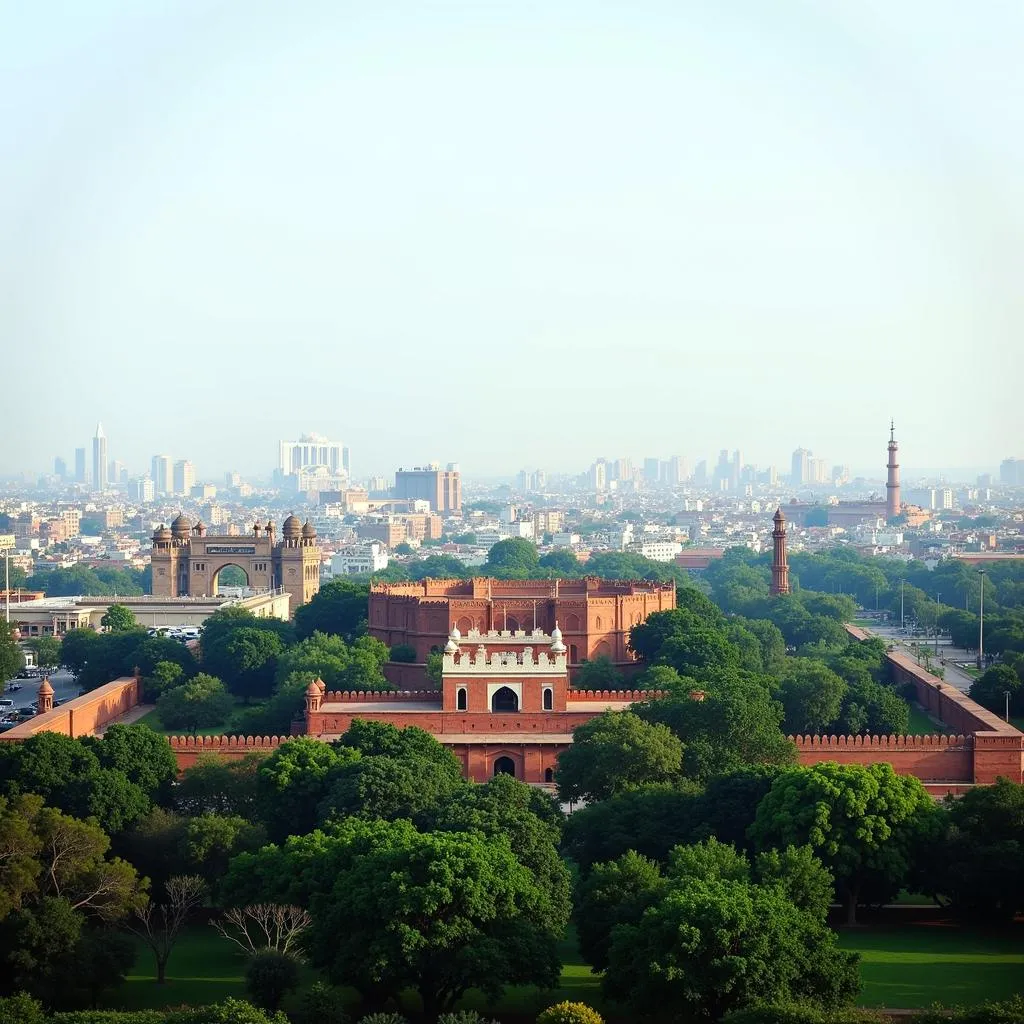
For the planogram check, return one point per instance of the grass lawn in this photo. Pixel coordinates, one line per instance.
(152, 719)
(906, 967)
(919, 964)
(921, 724)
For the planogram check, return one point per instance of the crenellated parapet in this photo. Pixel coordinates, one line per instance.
(633, 696)
(526, 661)
(882, 742)
(216, 744)
(375, 696)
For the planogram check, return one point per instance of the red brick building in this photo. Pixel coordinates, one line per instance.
(505, 705)
(594, 616)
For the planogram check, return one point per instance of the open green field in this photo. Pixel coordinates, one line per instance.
(152, 719)
(921, 724)
(920, 964)
(906, 967)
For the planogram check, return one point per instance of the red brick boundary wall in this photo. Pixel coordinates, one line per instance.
(82, 716)
(188, 749)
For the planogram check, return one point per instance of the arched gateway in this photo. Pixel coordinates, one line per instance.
(186, 560)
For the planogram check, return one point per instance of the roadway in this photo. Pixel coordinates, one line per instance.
(947, 658)
(63, 683)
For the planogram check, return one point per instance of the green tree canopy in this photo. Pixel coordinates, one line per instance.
(46, 649)
(339, 608)
(614, 752)
(514, 558)
(865, 822)
(119, 618)
(812, 696)
(598, 674)
(201, 703)
(11, 658)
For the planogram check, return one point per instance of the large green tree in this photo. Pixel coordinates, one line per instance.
(119, 618)
(340, 607)
(717, 938)
(46, 649)
(11, 658)
(865, 822)
(200, 703)
(394, 909)
(617, 751)
(811, 694)
(511, 559)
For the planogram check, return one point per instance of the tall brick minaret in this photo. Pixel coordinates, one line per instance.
(892, 483)
(780, 564)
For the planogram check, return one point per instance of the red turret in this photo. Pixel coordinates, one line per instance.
(892, 484)
(780, 565)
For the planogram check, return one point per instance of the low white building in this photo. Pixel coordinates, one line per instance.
(359, 559)
(657, 550)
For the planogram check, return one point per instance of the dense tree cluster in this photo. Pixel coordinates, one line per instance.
(93, 582)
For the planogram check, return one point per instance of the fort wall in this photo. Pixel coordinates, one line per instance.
(82, 716)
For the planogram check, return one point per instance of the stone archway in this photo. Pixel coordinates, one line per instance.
(505, 699)
(504, 765)
(233, 571)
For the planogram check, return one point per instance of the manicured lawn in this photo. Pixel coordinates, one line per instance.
(152, 719)
(921, 724)
(906, 967)
(920, 964)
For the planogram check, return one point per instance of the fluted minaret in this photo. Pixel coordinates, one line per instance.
(780, 564)
(892, 483)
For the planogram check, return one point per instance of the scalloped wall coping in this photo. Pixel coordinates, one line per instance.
(875, 742)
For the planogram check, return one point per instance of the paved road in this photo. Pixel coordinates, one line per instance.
(63, 683)
(947, 652)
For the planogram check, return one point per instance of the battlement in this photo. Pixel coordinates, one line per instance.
(375, 696)
(632, 696)
(883, 742)
(220, 744)
(498, 635)
(524, 662)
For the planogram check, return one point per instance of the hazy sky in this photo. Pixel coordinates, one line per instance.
(512, 234)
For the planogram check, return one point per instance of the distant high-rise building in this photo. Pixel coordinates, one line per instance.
(817, 471)
(771, 476)
(441, 487)
(1011, 472)
(652, 470)
(599, 476)
(184, 478)
(162, 472)
(116, 472)
(735, 470)
(892, 483)
(622, 469)
(528, 482)
(312, 450)
(799, 473)
(840, 475)
(700, 473)
(60, 468)
(79, 465)
(99, 459)
(231, 480)
(143, 489)
(985, 480)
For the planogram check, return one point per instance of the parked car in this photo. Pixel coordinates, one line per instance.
(14, 687)
(6, 702)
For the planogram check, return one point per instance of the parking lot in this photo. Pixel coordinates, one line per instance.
(63, 683)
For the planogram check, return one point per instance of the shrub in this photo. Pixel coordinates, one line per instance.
(464, 1017)
(231, 1011)
(269, 976)
(383, 1018)
(20, 1009)
(403, 652)
(796, 1013)
(321, 1004)
(107, 1017)
(570, 1013)
(1009, 1012)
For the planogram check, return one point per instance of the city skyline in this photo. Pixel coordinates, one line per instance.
(805, 228)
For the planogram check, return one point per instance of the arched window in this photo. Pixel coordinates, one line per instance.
(573, 655)
(504, 766)
(465, 624)
(597, 622)
(460, 699)
(505, 699)
(549, 774)
(572, 623)
(548, 699)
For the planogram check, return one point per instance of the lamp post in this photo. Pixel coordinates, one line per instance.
(1006, 694)
(7, 587)
(938, 600)
(981, 623)
(901, 604)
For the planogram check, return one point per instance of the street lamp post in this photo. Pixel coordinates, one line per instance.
(981, 623)
(938, 600)
(901, 604)
(1006, 694)
(7, 587)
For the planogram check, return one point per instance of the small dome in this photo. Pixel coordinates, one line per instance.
(451, 647)
(45, 689)
(313, 690)
(291, 527)
(557, 647)
(162, 533)
(181, 527)
(308, 530)
(455, 634)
